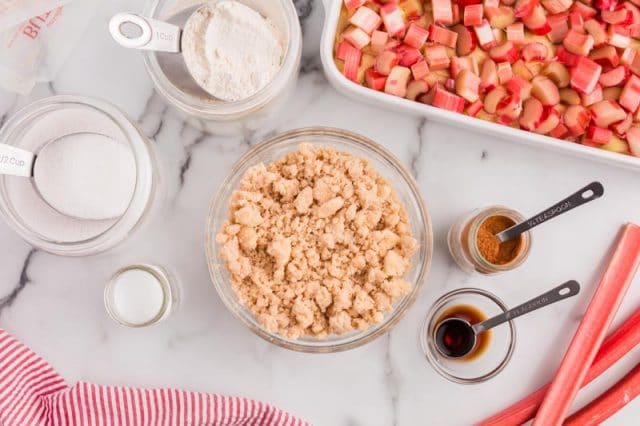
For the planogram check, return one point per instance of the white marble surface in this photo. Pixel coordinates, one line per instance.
(55, 305)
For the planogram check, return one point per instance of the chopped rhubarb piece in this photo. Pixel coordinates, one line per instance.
(624, 339)
(413, 9)
(443, 36)
(606, 4)
(605, 113)
(442, 13)
(545, 90)
(408, 55)
(397, 81)
(366, 19)
(535, 51)
(621, 127)
(630, 95)
(437, 57)
(531, 114)
(493, 99)
(446, 100)
(491, 3)
(353, 4)
(576, 118)
(619, 36)
(578, 43)
(344, 49)
(611, 93)
(466, 40)
(620, 16)
(599, 135)
(416, 36)
(489, 75)
(473, 15)
(416, 88)
(455, 11)
(571, 97)
(351, 57)
(524, 8)
(357, 37)
(374, 80)
(505, 73)
(591, 331)
(468, 85)
(585, 75)
(633, 138)
(474, 108)
(485, 35)
(614, 77)
(386, 61)
(521, 69)
(583, 9)
(559, 27)
(596, 30)
(560, 131)
(379, 40)
(505, 52)
(610, 402)
(420, 69)
(500, 17)
(634, 66)
(515, 33)
(566, 58)
(589, 99)
(607, 56)
(463, 63)
(537, 21)
(520, 86)
(576, 21)
(627, 56)
(549, 123)
(393, 18)
(450, 84)
(558, 73)
(556, 6)
(509, 109)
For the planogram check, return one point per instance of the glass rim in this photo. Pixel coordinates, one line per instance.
(144, 188)
(431, 352)
(358, 338)
(229, 110)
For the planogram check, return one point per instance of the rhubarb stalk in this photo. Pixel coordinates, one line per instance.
(610, 402)
(590, 334)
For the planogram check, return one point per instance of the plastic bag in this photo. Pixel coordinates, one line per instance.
(33, 49)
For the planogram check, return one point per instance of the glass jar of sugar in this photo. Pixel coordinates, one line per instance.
(59, 118)
(174, 83)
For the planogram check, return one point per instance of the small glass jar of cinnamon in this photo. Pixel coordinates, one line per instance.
(474, 247)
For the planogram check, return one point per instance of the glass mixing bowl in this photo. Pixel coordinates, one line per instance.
(387, 166)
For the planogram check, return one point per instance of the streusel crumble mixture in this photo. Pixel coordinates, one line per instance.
(317, 243)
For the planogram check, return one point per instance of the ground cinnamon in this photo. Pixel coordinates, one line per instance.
(490, 247)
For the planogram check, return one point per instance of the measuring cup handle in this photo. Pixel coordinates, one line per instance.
(154, 35)
(15, 161)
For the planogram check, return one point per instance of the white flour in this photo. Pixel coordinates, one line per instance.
(231, 50)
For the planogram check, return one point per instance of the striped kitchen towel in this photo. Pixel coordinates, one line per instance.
(32, 393)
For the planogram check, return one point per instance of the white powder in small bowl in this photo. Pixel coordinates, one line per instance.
(231, 50)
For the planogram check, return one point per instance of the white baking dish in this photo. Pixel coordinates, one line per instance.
(341, 83)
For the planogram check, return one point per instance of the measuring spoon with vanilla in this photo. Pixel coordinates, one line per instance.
(229, 49)
(497, 239)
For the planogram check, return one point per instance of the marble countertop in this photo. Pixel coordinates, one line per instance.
(54, 304)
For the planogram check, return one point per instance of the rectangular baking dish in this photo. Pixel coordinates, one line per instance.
(394, 103)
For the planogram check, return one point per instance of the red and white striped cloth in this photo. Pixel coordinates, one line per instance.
(32, 393)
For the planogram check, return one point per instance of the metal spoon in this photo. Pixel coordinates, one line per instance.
(38, 166)
(589, 193)
(466, 334)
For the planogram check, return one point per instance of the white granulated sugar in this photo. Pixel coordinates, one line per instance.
(231, 50)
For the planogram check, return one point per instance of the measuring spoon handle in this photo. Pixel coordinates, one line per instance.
(589, 193)
(154, 35)
(566, 290)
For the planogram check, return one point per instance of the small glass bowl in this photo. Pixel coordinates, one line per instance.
(32, 218)
(461, 240)
(174, 83)
(486, 365)
(387, 166)
(170, 297)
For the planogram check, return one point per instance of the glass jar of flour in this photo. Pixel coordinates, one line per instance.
(94, 178)
(174, 82)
